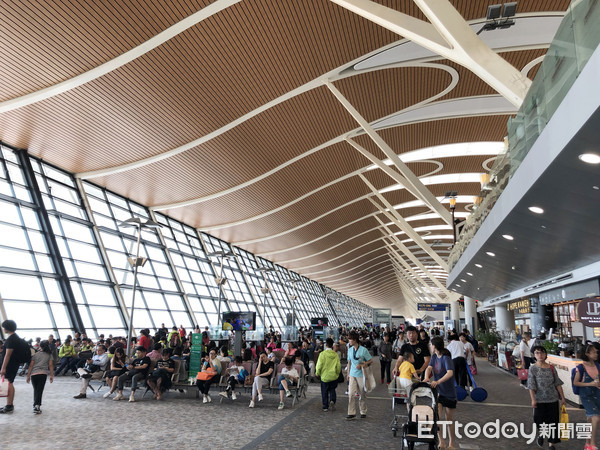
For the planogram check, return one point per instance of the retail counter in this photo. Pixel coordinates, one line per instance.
(563, 368)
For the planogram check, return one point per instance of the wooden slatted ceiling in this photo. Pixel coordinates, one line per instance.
(238, 62)
(44, 43)
(359, 244)
(348, 232)
(333, 268)
(245, 152)
(383, 92)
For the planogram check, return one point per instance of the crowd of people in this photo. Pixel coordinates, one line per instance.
(409, 353)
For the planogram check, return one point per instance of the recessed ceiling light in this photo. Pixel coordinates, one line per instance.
(490, 254)
(596, 187)
(470, 274)
(536, 209)
(544, 227)
(478, 265)
(590, 158)
(463, 280)
(457, 285)
(508, 236)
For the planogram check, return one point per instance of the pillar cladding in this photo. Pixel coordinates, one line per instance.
(538, 319)
(505, 320)
(471, 314)
(455, 313)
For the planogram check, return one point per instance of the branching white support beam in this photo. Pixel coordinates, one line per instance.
(412, 182)
(395, 217)
(412, 257)
(407, 267)
(449, 36)
(422, 289)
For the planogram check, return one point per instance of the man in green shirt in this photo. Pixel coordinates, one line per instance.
(328, 368)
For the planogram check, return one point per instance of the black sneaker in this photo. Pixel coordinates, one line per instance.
(7, 409)
(540, 442)
(363, 416)
(86, 376)
(350, 417)
(325, 410)
(37, 410)
(80, 396)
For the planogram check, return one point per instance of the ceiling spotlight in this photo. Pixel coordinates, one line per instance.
(463, 280)
(457, 285)
(478, 265)
(536, 210)
(590, 158)
(508, 237)
(490, 254)
(596, 187)
(470, 274)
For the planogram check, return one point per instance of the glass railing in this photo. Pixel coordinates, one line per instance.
(576, 39)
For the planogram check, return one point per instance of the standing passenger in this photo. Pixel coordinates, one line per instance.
(40, 367)
(358, 358)
(385, 358)
(328, 368)
(525, 354)
(10, 364)
(545, 389)
(587, 379)
(442, 370)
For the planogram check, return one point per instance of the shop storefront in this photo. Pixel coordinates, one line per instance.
(522, 310)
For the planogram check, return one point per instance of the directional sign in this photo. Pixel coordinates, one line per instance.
(432, 306)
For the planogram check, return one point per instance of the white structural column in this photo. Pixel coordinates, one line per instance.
(505, 319)
(448, 35)
(455, 313)
(470, 314)
(413, 184)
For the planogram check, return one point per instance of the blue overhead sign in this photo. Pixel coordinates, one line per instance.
(432, 306)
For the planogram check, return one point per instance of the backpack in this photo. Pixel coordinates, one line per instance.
(22, 353)
(580, 368)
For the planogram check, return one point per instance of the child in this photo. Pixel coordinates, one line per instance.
(289, 376)
(407, 372)
(40, 367)
(236, 373)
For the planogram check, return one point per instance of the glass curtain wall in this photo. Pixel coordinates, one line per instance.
(176, 285)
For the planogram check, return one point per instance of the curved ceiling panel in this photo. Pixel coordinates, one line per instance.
(229, 127)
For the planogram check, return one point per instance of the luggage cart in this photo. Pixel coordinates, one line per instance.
(399, 395)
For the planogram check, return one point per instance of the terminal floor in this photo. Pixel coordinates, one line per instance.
(183, 421)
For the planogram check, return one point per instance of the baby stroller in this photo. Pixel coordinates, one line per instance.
(422, 409)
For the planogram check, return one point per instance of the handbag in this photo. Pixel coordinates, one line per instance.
(3, 388)
(340, 378)
(368, 379)
(206, 374)
(473, 369)
(564, 418)
(523, 374)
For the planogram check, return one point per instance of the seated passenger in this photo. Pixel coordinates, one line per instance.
(289, 377)
(117, 368)
(160, 380)
(237, 374)
(138, 371)
(211, 369)
(264, 371)
(156, 352)
(66, 354)
(94, 369)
